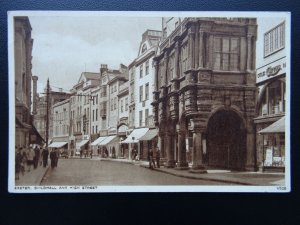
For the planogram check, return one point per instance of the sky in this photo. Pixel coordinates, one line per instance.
(66, 46)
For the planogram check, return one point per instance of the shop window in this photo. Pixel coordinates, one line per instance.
(273, 99)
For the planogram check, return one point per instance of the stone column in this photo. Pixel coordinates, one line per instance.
(201, 46)
(182, 163)
(176, 64)
(166, 58)
(250, 148)
(191, 35)
(170, 153)
(161, 144)
(197, 151)
(249, 52)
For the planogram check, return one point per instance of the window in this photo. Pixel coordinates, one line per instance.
(141, 93)
(274, 40)
(93, 115)
(273, 100)
(144, 48)
(96, 115)
(112, 105)
(184, 58)
(122, 106)
(115, 103)
(146, 117)
(147, 67)
(96, 129)
(126, 104)
(141, 118)
(226, 53)
(141, 71)
(131, 92)
(115, 88)
(147, 91)
(111, 90)
(171, 63)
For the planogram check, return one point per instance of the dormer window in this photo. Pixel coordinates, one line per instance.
(144, 48)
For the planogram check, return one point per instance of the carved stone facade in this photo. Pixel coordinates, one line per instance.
(204, 98)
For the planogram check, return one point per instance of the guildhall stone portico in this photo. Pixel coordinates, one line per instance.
(205, 94)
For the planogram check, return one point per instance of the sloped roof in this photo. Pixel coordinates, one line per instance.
(89, 76)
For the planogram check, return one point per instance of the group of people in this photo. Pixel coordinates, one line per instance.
(28, 157)
(152, 163)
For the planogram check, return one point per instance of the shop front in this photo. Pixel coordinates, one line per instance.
(132, 140)
(147, 142)
(273, 146)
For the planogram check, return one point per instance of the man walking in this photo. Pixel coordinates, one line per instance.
(45, 154)
(151, 159)
(30, 158)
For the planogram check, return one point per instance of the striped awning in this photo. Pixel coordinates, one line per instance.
(277, 127)
(135, 135)
(57, 144)
(152, 133)
(107, 140)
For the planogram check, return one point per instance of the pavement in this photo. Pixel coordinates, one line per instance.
(225, 176)
(35, 176)
(32, 178)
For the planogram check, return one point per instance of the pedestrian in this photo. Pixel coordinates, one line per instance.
(36, 156)
(91, 153)
(45, 155)
(30, 158)
(157, 156)
(56, 156)
(53, 158)
(24, 159)
(151, 159)
(18, 162)
(80, 153)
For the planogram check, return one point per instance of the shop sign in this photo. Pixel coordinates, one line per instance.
(271, 70)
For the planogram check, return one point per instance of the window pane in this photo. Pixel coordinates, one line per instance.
(217, 63)
(234, 45)
(217, 44)
(234, 62)
(225, 46)
(225, 61)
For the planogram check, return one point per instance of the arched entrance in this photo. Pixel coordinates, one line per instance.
(226, 141)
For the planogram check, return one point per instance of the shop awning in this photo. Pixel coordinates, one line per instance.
(135, 135)
(81, 143)
(277, 127)
(107, 140)
(98, 140)
(152, 133)
(57, 144)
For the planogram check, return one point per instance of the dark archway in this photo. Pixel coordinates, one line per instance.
(226, 141)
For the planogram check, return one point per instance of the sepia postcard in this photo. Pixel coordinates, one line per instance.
(149, 101)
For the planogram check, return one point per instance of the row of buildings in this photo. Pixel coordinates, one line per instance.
(209, 91)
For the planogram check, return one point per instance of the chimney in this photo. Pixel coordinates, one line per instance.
(103, 68)
(34, 80)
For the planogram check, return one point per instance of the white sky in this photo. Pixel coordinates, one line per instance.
(64, 46)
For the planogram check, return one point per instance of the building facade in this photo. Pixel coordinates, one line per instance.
(25, 133)
(61, 125)
(271, 103)
(40, 117)
(81, 103)
(141, 87)
(204, 98)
